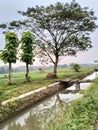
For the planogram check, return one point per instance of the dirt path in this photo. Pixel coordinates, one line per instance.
(96, 126)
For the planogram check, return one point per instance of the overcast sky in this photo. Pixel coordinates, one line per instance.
(8, 12)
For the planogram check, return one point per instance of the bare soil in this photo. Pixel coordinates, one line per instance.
(96, 126)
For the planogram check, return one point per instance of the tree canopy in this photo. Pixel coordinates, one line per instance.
(60, 29)
(9, 54)
(27, 47)
(76, 67)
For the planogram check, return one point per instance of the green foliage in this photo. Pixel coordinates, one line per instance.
(75, 67)
(3, 26)
(9, 54)
(27, 46)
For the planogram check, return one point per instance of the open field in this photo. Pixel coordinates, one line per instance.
(38, 80)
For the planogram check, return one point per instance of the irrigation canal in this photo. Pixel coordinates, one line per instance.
(43, 113)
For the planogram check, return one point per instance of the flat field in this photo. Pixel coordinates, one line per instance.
(37, 80)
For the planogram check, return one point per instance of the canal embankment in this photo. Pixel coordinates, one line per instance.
(53, 112)
(83, 113)
(15, 105)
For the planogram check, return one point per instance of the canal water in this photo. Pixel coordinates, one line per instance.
(42, 114)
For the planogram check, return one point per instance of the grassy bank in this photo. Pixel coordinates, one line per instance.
(38, 80)
(83, 113)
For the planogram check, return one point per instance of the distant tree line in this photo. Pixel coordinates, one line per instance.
(4, 69)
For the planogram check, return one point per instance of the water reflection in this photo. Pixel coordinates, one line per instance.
(36, 118)
(85, 85)
(39, 116)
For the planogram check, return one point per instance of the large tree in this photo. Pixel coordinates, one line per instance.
(9, 54)
(61, 29)
(27, 47)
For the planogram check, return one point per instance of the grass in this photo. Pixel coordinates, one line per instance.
(81, 114)
(38, 80)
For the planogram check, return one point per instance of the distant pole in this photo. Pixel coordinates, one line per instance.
(96, 66)
(96, 62)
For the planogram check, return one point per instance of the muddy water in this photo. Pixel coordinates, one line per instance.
(38, 116)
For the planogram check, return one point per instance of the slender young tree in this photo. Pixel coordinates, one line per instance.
(27, 46)
(9, 54)
(76, 67)
(61, 29)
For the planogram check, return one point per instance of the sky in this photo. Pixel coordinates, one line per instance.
(8, 12)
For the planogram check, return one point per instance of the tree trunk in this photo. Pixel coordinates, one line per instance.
(27, 72)
(9, 76)
(55, 69)
(55, 66)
